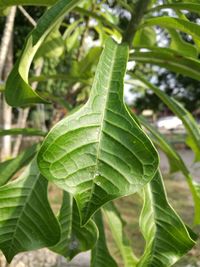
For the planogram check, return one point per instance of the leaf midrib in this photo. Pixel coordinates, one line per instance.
(21, 214)
(101, 127)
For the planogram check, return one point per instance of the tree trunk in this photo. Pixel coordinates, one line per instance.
(6, 64)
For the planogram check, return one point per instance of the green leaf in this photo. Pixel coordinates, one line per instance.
(83, 68)
(18, 92)
(5, 3)
(115, 223)
(169, 59)
(9, 167)
(99, 152)
(175, 23)
(22, 131)
(100, 254)
(145, 37)
(74, 238)
(176, 164)
(53, 46)
(4, 11)
(188, 120)
(167, 238)
(100, 18)
(27, 221)
(181, 46)
(192, 7)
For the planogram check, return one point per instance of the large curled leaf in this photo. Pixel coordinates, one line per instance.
(167, 238)
(169, 59)
(176, 164)
(9, 167)
(116, 226)
(188, 120)
(74, 238)
(18, 92)
(27, 221)
(100, 253)
(100, 153)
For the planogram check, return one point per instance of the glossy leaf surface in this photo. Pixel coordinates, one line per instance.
(74, 238)
(27, 221)
(18, 92)
(100, 153)
(167, 238)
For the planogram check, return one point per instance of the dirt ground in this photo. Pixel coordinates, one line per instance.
(179, 197)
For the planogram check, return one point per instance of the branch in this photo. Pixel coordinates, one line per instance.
(136, 18)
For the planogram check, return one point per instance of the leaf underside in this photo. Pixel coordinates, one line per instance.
(100, 153)
(27, 221)
(74, 238)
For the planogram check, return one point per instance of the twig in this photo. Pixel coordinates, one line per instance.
(29, 18)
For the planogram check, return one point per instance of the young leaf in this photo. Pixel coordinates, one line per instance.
(18, 92)
(169, 59)
(116, 226)
(188, 120)
(176, 164)
(9, 167)
(27, 221)
(167, 238)
(100, 153)
(100, 254)
(74, 238)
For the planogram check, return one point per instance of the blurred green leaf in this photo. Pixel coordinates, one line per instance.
(22, 94)
(145, 37)
(175, 23)
(22, 131)
(169, 59)
(182, 47)
(116, 225)
(188, 120)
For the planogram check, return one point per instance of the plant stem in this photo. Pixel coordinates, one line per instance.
(136, 18)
